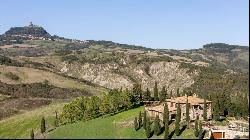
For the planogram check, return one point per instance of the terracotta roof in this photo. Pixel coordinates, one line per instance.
(160, 108)
(191, 99)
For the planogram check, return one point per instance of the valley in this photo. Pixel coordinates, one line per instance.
(42, 74)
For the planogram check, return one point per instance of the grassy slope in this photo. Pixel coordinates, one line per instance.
(30, 75)
(106, 128)
(100, 128)
(46, 43)
(19, 126)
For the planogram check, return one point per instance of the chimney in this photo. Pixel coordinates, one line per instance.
(194, 95)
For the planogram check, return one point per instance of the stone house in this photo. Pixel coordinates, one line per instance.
(195, 109)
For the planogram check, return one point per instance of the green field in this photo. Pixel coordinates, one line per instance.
(19, 126)
(119, 126)
(108, 127)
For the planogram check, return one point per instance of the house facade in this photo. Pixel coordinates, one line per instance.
(196, 107)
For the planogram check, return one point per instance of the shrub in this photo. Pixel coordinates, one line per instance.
(237, 137)
(9, 62)
(12, 76)
(70, 58)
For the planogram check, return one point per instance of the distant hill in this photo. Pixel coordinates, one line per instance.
(28, 31)
(16, 35)
(223, 47)
(232, 56)
(114, 65)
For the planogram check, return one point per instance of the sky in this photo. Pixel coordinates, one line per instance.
(162, 24)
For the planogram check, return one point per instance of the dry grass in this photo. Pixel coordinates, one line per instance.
(179, 58)
(200, 63)
(31, 75)
(18, 45)
(244, 56)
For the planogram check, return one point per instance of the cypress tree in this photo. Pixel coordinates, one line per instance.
(200, 129)
(196, 131)
(140, 120)
(144, 119)
(157, 129)
(225, 102)
(216, 115)
(178, 92)
(165, 114)
(166, 93)
(136, 124)
(171, 94)
(166, 120)
(148, 128)
(163, 94)
(56, 121)
(187, 112)
(177, 120)
(156, 97)
(140, 93)
(147, 96)
(31, 134)
(43, 127)
(205, 111)
(166, 131)
(137, 94)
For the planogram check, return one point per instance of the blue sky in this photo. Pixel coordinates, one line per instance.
(177, 24)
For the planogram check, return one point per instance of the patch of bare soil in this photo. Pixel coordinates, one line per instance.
(124, 123)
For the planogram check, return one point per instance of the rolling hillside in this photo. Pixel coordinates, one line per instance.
(30, 75)
(39, 73)
(19, 126)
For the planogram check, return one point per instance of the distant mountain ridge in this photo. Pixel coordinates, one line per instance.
(233, 56)
(37, 32)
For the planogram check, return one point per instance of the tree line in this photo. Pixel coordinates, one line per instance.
(116, 100)
(228, 92)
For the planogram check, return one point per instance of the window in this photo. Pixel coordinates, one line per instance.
(201, 108)
(195, 107)
(183, 114)
(172, 104)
